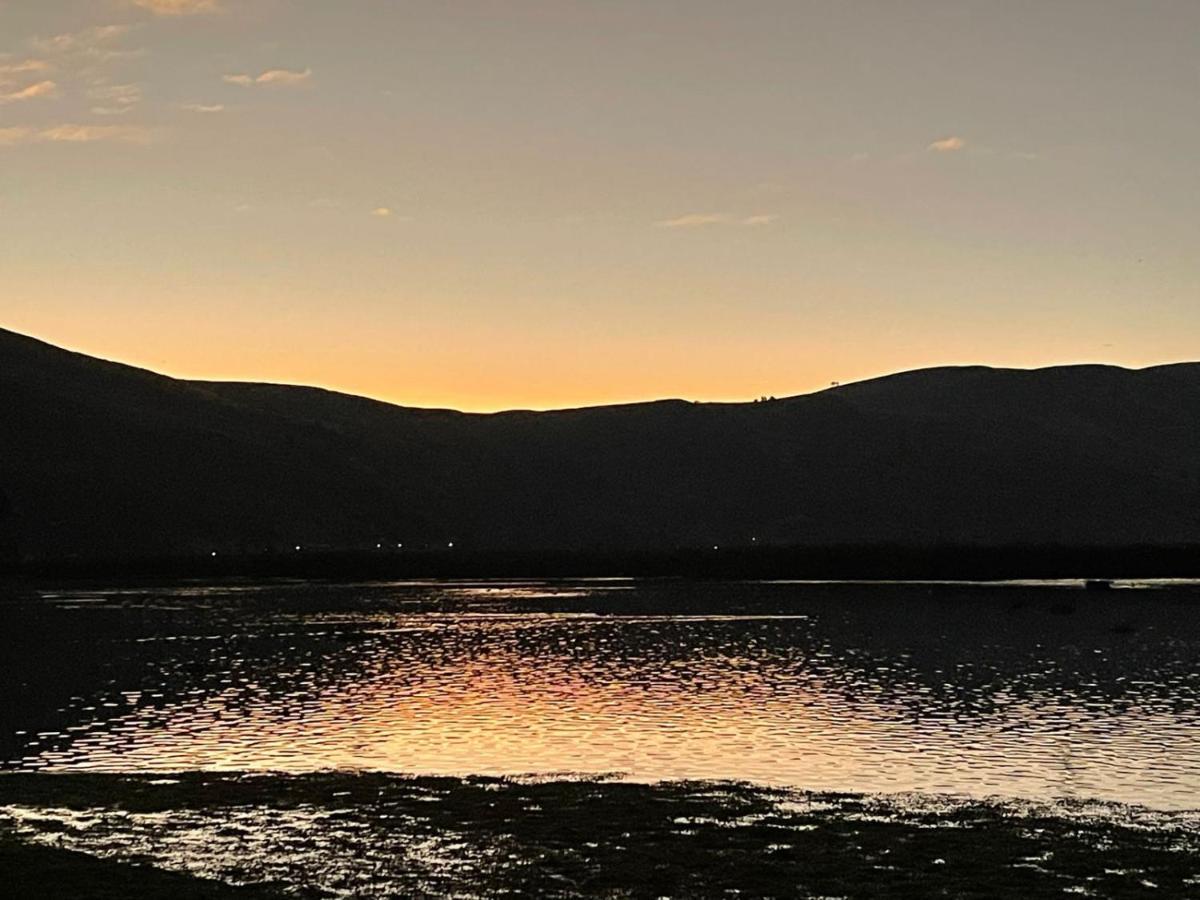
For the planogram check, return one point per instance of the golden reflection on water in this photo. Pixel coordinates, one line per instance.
(830, 695)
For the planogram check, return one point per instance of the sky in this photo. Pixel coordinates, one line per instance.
(544, 203)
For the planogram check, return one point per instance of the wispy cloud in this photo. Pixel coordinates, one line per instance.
(270, 78)
(380, 212)
(92, 41)
(693, 220)
(24, 67)
(75, 134)
(29, 92)
(17, 134)
(699, 220)
(947, 144)
(178, 7)
(115, 99)
(80, 60)
(204, 107)
(86, 134)
(283, 76)
(86, 55)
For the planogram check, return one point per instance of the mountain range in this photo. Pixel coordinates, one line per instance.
(100, 460)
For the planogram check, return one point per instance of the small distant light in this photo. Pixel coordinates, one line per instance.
(297, 547)
(399, 546)
(715, 547)
(214, 553)
(451, 544)
(379, 546)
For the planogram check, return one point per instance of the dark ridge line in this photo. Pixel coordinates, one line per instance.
(905, 374)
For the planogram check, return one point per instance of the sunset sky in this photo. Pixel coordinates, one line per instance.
(542, 203)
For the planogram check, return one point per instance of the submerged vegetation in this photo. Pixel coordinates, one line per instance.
(382, 835)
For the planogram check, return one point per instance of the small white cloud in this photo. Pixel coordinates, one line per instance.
(760, 219)
(270, 78)
(947, 144)
(178, 7)
(383, 212)
(29, 92)
(283, 77)
(693, 220)
(204, 107)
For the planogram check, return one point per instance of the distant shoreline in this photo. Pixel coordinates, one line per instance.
(838, 563)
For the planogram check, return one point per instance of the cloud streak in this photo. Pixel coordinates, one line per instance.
(24, 67)
(90, 41)
(179, 7)
(70, 133)
(270, 78)
(700, 220)
(693, 220)
(17, 134)
(947, 145)
(29, 92)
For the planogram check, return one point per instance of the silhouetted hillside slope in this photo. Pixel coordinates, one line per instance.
(100, 459)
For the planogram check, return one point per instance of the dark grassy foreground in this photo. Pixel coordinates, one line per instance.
(46, 872)
(378, 836)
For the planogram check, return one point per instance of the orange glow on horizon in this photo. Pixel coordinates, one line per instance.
(488, 378)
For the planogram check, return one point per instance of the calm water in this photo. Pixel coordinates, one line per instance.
(1023, 690)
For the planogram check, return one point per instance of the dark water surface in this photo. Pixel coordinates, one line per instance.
(1030, 691)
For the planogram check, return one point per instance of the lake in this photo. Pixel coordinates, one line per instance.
(1037, 690)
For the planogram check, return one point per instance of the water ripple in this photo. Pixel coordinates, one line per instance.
(1021, 691)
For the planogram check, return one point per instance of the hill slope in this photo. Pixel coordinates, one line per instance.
(99, 459)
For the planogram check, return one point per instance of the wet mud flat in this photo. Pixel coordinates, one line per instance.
(373, 835)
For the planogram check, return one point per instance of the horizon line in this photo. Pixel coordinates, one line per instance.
(833, 385)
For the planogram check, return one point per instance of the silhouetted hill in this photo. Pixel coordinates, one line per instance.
(99, 459)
